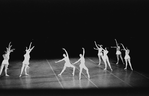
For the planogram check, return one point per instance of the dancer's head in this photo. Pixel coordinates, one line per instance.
(80, 55)
(128, 51)
(64, 55)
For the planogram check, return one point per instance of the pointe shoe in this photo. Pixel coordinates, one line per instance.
(26, 74)
(125, 68)
(7, 75)
(105, 69)
(59, 74)
(20, 75)
(73, 74)
(79, 78)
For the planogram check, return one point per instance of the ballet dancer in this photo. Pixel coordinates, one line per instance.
(127, 57)
(106, 59)
(6, 57)
(99, 48)
(25, 64)
(82, 64)
(118, 52)
(67, 62)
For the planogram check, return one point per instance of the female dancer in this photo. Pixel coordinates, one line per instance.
(82, 64)
(6, 57)
(25, 64)
(127, 57)
(67, 62)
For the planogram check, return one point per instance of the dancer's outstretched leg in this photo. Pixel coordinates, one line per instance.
(22, 68)
(99, 58)
(87, 72)
(130, 64)
(2, 66)
(109, 64)
(26, 67)
(80, 73)
(117, 56)
(6, 67)
(121, 58)
(105, 64)
(73, 70)
(126, 64)
(63, 70)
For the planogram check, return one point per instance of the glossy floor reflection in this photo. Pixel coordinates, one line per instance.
(44, 74)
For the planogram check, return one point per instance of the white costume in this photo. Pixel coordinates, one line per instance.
(127, 57)
(82, 64)
(25, 64)
(106, 59)
(67, 63)
(5, 62)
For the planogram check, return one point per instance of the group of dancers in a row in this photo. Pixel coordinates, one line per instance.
(102, 55)
(25, 62)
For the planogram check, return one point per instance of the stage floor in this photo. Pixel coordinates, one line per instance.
(44, 74)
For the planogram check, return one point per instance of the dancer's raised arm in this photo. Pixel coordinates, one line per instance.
(9, 48)
(65, 51)
(83, 51)
(123, 47)
(116, 42)
(96, 44)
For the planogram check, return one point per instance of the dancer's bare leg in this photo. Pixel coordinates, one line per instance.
(117, 56)
(87, 72)
(99, 60)
(126, 64)
(80, 73)
(109, 64)
(6, 67)
(130, 64)
(22, 68)
(73, 70)
(105, 64)
(26, 67)
(63, 70)
(2, 66)
(121, 58)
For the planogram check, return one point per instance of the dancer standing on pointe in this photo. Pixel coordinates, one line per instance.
(6, 57)
(99, 48)
(67, 62)
(25, 64)
(127, 57)
(118, 52)
(82, 64)
(106, 59)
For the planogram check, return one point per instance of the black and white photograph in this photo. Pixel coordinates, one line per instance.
(60, 47)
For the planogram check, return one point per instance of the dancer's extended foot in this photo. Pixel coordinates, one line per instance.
(7, 75)
(26, 74)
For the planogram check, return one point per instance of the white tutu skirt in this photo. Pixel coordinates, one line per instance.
(5, 62)
(25, 62)
(127, 57)
(118, 52)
